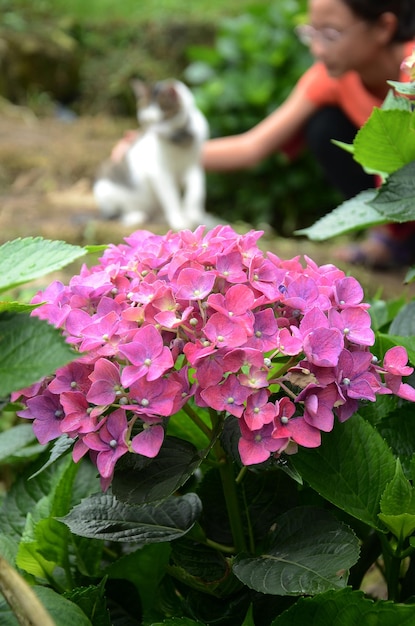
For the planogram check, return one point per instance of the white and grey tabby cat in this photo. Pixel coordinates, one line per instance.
(160, 175)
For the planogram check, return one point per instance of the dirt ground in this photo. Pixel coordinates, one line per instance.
(47, 166)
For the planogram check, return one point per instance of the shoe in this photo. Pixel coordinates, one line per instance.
(380, 251)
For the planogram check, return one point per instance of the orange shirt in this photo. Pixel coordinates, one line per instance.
(347, 92)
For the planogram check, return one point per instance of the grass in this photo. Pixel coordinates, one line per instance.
(151, 10)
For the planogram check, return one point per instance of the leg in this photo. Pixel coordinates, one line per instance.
(384, 247)
(338, 165)
(194, 195)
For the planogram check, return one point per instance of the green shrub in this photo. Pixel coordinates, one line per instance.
(251, 69)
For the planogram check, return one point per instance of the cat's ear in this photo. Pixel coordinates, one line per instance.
(140, 89)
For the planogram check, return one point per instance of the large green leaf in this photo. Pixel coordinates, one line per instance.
(311, 552)
(22, 260)
(92, 601)
(351, 215)
(15, 440)
(346, 608)
(395, 200)
(62, 611)
(386, 142)
(350, 469)
(404, 322)
(30, 496)
(398, 430)
(145, 568)
(398, 505)
(136, 482)
(44, 543)
(102, 516)
(202, 568)
(30, 349)
(177, 621)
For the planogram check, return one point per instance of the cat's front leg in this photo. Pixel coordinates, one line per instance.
(194, 195)
(170, 202)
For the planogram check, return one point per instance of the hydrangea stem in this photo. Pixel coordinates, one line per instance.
(230, 490)
(232, 503)
(196, 419)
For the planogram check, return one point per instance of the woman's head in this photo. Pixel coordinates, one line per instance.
(372, 10)
(356, 34)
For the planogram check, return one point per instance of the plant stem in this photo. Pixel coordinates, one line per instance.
(229, 485)
(232, 504)
(196, 420)
(392, 560)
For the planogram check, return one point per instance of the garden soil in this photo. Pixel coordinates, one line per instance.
(47, 166)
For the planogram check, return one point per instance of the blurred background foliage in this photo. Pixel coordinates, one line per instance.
(241, 58)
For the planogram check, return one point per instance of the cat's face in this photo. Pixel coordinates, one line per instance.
(158, 102)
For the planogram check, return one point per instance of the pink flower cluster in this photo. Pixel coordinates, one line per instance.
(209, 318)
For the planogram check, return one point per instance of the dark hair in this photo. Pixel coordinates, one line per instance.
(404, 10)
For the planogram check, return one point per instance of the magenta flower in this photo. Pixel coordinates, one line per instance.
(150, 358)
(259, 411)
(354, 323)
(229, 397)
(395, 365)
(109, 441)
(256, 446)
(296, 429)
(47, 412)
(224, 332)
(106, 385)
(71, 377)
(80, 418)
(194, 284)
(149, 441)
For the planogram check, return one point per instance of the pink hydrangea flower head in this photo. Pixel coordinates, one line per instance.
(206, 319)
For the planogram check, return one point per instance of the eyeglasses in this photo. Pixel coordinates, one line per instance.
(327, 36)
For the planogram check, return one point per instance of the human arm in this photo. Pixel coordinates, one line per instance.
(270, 135)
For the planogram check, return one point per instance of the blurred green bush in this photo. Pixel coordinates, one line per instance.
(250, 70)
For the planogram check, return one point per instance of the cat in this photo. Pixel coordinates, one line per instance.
(161, 173)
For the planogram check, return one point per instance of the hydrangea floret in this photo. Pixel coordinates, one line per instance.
(206, 320)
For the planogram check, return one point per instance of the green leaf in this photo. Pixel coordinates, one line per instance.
(346, 608)
(178, 621)
(63, 611)
(92, 601)
(351, 215)
(403, 321)
(350, 469)
(102, 516)
(159, 478)
(407, 89)
(44, 543)
(392, 101)
(31, 349)
(145, 568)
(398, 430)
(311, 553)
(395, 200)
(58, 449)
(398, 505)
(25, 259)
(200, 567)
(16, 307)
(386, 142)
(30, 496)
(14, 440)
